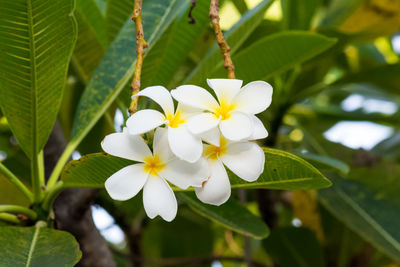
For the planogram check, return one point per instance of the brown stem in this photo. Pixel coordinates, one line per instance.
(140, 46)
(223, 45)
(72, 210)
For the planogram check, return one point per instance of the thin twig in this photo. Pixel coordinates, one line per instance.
(140, 46)
(192, 20)
(223, 45)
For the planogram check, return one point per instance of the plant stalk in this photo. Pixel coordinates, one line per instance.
(14, 180)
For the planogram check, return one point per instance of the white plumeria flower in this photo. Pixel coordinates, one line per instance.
(234, 112)
(243, 158)
(152, 173)
(183, 143)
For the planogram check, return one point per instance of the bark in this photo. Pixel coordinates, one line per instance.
(72, 210)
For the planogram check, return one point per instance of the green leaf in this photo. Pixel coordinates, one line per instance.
(117, 13)
(325, 163)
(292, 246)
(160, 239)
(384, 77)
(282, 170)
(240, 5)
(231, 215)
(235, 38)
(297, 15)
(92, 38)
(36, 40)
(365, 211)
(276, 53)
(118, 65)
(92, 170)
(174, 46)
(37, 247)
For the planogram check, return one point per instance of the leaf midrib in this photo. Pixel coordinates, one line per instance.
(32, 247)
(32, 54)
(369, 219)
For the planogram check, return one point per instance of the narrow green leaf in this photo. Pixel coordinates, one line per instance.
(240, 5)
(292, 246)
(92, 39)
(384, 77)
(235, 38)
(118, 65)
(117, 13)
(297, 15)
(37, 247)
(277, 53)
(366, 212)
(36, 39)
(282, 171)
(231, 215)
(174, 46)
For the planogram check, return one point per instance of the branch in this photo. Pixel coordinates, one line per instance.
(140, 46)
(72, 210)
(223, 45)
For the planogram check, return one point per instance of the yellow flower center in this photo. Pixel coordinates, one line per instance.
(214, 152)
(224, 110)
(153, 165)
(174, 120)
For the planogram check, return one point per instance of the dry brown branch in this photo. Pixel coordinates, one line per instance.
(223, 45)
(140, 46)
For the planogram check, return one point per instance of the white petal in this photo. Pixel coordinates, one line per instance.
(212, 136)
(159, 199)
(184, 144)
(217, 189)
(195, 96)
(127, 182)
(202, 123)
(160, 95)
(187, 112)
(238, 126)
(126, 146)
(161, 146)
(144, 121)
(259, 129)
(245, 159)
(254, 97)
(225, 89)
(184, 174)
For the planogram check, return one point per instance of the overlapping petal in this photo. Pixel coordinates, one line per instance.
(127, 182)
(144, 121)
(159, 199)
(195, 96)
(126, 146)
(160, 95)
(239, 126)
(254, 97)
(160, 145)
(184, 174)
(217, 189)
(259, 129)
(212, 136)
(203, 122)
(225, 89)
(184, 144)
(245, 159)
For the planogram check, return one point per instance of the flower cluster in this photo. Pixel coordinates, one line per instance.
(199, 138)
